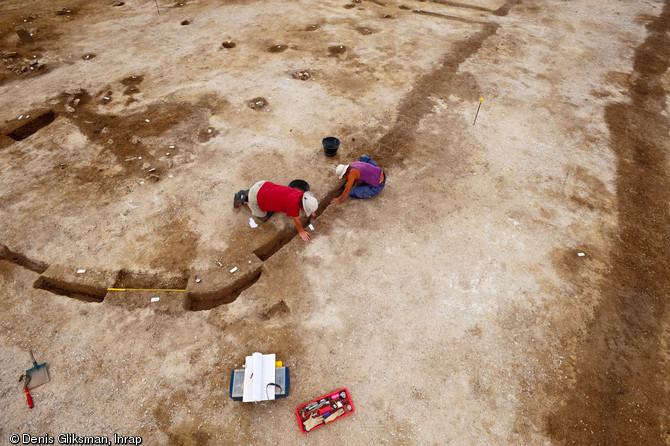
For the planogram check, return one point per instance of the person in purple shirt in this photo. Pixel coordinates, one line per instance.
(366, 174)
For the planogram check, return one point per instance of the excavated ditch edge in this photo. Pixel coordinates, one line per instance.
(203, 290)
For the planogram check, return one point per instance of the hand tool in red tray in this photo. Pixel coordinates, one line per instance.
(324, 410)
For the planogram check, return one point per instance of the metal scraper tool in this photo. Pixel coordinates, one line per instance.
(38, 374)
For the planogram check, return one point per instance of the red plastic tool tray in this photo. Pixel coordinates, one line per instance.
(334, 401)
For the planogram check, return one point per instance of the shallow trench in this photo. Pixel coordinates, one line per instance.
(68, 284)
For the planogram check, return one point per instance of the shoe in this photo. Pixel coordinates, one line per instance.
(240, 198)
(267, 217)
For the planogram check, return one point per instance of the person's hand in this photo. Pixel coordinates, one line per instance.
(305, 236)
(336, 201)
(313, 216)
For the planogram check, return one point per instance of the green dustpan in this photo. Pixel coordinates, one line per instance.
(37, 375)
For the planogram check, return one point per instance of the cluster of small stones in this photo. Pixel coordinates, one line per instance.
(302, 75)
(19, 65)
(257, 104)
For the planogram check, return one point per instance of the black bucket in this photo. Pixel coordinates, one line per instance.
(301, 185)
(330, 145)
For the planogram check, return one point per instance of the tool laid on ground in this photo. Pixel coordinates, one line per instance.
(25, 388)
(263, 378)
(167, 290)
(38, 374)
(324, 410)
(35, 376)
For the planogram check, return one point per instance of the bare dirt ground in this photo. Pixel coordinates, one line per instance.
(509, 286)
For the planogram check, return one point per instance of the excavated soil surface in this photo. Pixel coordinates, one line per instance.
(509, 286)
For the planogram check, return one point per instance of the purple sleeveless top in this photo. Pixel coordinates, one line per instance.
(370, 174)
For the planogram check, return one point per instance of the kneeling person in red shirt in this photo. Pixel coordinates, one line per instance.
(266, 198)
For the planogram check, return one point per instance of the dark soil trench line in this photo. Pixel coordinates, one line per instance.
(396, 145)
(449, 17)
(461, 5)
(621, 396)
(21, 260)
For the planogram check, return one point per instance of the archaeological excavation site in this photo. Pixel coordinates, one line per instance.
(505, 282)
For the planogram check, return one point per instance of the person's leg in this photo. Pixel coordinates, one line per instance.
(360, 192)
(241, 198)
(364, 191)
(253, 201)
(267, 217)
(367, 159)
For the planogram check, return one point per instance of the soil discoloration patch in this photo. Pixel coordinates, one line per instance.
(277, 48)
(620, 391)
(396, 144)
(22, 260)
(336, 50)
(258, 103)
(365, 30)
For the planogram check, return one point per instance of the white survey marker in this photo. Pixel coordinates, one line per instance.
(252, 222)
(311, 228)
(81, 271)
(155, 299)
(233, 270)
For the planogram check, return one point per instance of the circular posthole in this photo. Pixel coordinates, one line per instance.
(336, 50)
(365, 30)
(277, 48)
(258, 103)
(302, 75)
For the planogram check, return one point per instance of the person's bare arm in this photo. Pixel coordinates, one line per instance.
(351, 179)
(303, 234)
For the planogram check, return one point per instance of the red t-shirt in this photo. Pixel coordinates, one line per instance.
(275, 198)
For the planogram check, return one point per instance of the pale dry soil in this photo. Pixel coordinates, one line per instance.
(509, 286)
